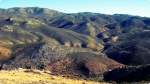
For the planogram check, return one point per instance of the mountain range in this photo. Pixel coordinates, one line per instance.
(81, 44)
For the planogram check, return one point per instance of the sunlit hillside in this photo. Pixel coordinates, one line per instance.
(23, 76)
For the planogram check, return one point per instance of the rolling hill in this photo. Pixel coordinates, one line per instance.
(41, 38)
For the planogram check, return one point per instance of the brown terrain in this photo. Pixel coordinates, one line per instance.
(24, 76)
(79, 45)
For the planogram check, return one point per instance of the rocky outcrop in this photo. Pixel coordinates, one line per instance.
(129, 74)
(26, 22)
(7, 28)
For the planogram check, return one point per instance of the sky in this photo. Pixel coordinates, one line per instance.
(132, 7)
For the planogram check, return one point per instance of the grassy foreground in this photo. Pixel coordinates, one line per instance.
(23, 76)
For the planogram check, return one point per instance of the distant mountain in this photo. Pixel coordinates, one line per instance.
(35, 12)
(125, 15)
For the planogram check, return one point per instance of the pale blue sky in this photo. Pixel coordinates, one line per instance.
(133, 7)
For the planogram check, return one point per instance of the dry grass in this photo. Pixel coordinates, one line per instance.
(4, 53)
(23, 76)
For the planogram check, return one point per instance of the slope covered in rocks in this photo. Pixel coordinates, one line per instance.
(129, 74)
(60, 59)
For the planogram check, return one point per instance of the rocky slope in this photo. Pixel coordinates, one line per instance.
(83, 64)
(129, 74)
(60, 59)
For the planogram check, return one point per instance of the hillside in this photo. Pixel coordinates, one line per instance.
(131, 49)
(52, 57)
(22, 76)
(129, 74)
(118, 32)
(81, 44)
(28, 30)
